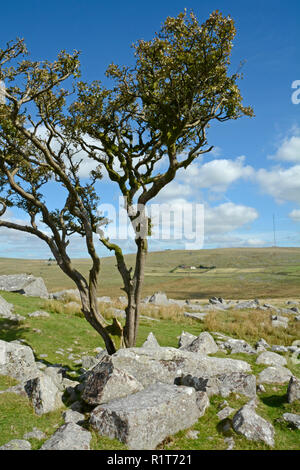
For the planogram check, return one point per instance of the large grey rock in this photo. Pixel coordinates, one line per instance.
(204, 344)
(279, 324)
(17, 360)
(166, 363)
(64, 294)
(159, 298)
(39, 313)
(70, 436)
(236, 346)
(5, 308)
(43, 394)
(89, 362)
(35, 434)
(196, 315)
(223, 384)
(185, 339)
(16, 444)
(106, 382)
(274, 374)
(293, 391)
(261, 345)
(151, 342)
(145, 419)
(271, 359)
(225, 412)
(247, 304)
(24, 284)
(292, 419)
(253, 426)
(71, 416)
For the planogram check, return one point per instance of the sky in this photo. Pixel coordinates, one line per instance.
(251, 180)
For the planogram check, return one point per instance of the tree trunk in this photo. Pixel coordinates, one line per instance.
(134, 296)
(90, 311)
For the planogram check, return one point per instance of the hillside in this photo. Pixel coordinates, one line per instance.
(239, 273)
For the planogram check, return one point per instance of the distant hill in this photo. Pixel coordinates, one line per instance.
(239, 273)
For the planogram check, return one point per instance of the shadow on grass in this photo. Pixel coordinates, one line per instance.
(275, 401)
(11, 330)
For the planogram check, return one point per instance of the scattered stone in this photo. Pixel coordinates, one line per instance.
(261, 345)
(70, 436)
(16, 444)
(292, 419)
(279, 324)
(64, 294)
(39, 313)
(43, 394)
(71, 416)
(117, 312)
(274, 374)
(104, 299)
(145, 419)
(279, 348)
(35, 434)
(253, 426)
(225, 412)
(185, 339)
(17, 360)
(106, 382)
(159, 298)
(271, 359)
(151, 342)
(230, 443)
(261, 388)
(25, 284)
(197, 316)
(293, 391)
(247, 304)
(223, 384)
(191, 434)
(204, 344)
(238, 346)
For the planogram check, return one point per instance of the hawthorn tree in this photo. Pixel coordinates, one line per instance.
(35, 151)
(157, 111)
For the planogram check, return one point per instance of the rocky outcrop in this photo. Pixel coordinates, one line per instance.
(43, 394)
(25, 284)
(106, 382)
(271, 359)
(143, 420)
(17, 360)
(293, 391)
(223, 384)
(203, 344)
(253, 426)
(165, 364)
(70, 436)
(274, 375)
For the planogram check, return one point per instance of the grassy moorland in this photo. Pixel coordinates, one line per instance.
(240, 273)
(65, 336)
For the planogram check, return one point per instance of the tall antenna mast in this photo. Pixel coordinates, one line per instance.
(274, 230)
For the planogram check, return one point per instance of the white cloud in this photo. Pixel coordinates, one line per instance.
(289, 150)
(283, 184)
(295, 215)
(228, 217)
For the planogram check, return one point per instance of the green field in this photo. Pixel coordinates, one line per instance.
(240, 273)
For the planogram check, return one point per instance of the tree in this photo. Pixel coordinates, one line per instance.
(158, 111)
(35, 151)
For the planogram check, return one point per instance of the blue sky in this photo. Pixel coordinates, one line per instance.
(254, 171)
